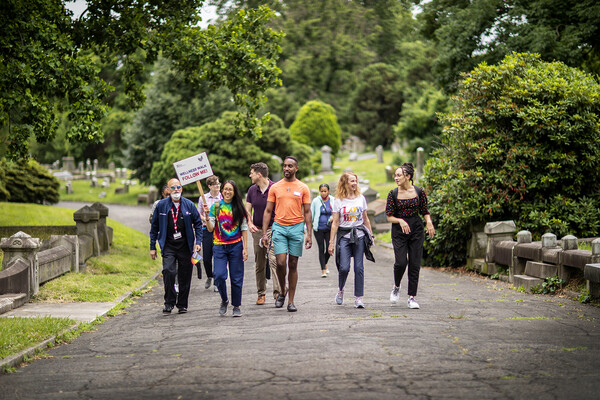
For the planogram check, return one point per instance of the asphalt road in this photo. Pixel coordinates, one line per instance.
(473, 338)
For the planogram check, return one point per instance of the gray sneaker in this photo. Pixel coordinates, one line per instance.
(412, 303)
(395, 294)
(223, 308)
(208, 283)
(237, 312)
(358, 302)
(339, 297)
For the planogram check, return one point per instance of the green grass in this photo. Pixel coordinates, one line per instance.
(82, 191)
(365, 169)
(18, 334)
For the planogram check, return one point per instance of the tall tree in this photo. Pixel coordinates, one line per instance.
(46, 61)
(469, 32)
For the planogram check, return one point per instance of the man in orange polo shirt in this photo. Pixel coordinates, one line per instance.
(290, 198)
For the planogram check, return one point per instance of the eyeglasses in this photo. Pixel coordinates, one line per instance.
(216, 184)
(175, 187)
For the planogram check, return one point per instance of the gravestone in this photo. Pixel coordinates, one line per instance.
(420, 163)
(94, 182)
(111, 165)
(68, 164)
(379, 151)
(276, 175)
(80, 167)
(69, 187)
(326, 159)
(95, 165)
(88, 165)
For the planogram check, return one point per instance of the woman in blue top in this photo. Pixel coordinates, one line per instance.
(321, 220)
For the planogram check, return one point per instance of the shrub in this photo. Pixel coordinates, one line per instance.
(521, 143)
(27, 182)
(316, 125)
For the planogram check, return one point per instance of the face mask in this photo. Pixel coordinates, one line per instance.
(176, 196)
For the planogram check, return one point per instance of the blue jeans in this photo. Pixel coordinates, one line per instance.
(229, 254)
(347, 251)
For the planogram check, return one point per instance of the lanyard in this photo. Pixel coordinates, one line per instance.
(175, 216)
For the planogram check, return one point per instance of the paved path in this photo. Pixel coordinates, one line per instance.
(472, 339)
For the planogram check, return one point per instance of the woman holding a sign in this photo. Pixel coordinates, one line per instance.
(229, 222)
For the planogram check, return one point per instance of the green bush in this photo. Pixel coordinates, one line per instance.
(27, 182)
(316, 125)
(520, 144)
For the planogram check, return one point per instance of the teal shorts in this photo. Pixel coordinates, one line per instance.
(288, 239)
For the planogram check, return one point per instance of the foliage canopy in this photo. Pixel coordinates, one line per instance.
(521, 144)
(316, 125)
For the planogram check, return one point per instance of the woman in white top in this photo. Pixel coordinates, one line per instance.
(354, 234)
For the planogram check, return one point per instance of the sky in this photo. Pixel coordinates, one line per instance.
(208, 12)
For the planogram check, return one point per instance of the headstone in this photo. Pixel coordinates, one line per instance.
(370, 194)
(111, 165)
(105, 182)
(124, 172)
(420, 163)
(118, 173)
(95, 164)
(389, 173)
(276, 174)
(56, 165)
(326, 159)
(395, 147)
(69, 187)
(80, 167)
(353, 156)
(94, 182)
(379, 151)
(88, 165)
(68, 164)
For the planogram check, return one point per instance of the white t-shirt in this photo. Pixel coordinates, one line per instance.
(351, 212)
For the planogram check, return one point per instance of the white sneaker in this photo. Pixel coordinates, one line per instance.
(215, 289)
(339, 297)
(358, 302)
(395, 295)
(176, 288)
(412, 303)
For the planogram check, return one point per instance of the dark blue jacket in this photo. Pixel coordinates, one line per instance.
(191, 217)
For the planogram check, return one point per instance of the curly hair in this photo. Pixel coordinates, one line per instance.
(342, 189)
(408, 169)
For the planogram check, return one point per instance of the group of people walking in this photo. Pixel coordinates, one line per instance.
(279, 217)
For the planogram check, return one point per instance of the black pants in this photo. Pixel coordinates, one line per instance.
(207, 254)
(408, 251)
(177, 263)
(322, 238)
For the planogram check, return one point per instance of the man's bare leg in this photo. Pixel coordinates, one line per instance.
(281, 271)
(293, 277)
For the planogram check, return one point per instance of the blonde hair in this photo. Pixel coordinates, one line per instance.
(341, 191)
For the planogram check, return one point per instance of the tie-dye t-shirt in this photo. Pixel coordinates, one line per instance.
(225, 231)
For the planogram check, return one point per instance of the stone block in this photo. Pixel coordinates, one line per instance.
(551, 255)
(476, 264)
(518, 267)
(569, 242)
(503, 253)
(529, 251)
(591, 272)
(540, 270)
(526, 281)
(15, 277)
(500, 227)
(477, 243)
(53, 263)
(576, 258)
(548, 240)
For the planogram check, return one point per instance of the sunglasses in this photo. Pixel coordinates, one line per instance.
(175, 187)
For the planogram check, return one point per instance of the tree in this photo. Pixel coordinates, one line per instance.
(377, 104)
(316, 125)
(47, 61)
(470, 32)
(230, 154)
(419, 125)
(520, 144)
(172, 104)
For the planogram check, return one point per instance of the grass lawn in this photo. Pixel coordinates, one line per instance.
(123, 269)
(82, 191)
(365, 169)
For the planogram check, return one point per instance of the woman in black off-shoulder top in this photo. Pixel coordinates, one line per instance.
(403, 206)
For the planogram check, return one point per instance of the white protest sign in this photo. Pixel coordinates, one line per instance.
(193, 168)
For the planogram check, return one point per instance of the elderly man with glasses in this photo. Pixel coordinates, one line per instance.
(177, 227)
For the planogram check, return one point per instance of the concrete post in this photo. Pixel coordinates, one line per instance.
(103, 238)
(569, 242)
(379, 151)
(276, 174)
(548, 240)
(524, 237)
(86, 220)
(21, 245)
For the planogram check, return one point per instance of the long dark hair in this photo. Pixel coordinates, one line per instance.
(237, 205)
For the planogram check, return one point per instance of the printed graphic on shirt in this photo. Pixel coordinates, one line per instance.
(225, 232)
(351, 211)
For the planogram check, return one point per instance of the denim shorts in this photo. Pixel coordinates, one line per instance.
(288, 239)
